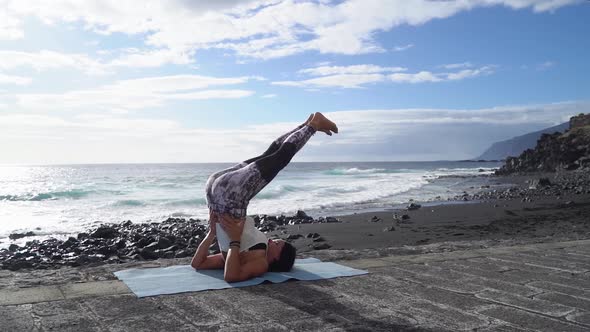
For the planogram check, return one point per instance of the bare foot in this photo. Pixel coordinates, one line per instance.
(308, 119)
(321, 123)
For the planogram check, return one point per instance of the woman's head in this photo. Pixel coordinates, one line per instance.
(282, 256)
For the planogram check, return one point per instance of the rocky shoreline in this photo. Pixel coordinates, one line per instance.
(179, 238)
(127, 241)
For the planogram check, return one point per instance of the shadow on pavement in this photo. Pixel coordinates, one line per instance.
(324, 306)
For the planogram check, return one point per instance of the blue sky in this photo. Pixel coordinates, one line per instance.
(199, 81)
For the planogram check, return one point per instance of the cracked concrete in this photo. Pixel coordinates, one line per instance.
(543, 286)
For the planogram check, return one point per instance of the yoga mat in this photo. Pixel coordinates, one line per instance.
(183, 278)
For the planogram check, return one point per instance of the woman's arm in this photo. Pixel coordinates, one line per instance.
(202, 260)
(235, 272)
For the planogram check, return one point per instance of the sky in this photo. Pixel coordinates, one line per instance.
(102, 81)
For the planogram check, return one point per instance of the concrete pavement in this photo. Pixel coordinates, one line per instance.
(542, 286)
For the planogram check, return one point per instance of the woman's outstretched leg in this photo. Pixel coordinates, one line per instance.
(276, 144)
(232, 191)
(271, 165)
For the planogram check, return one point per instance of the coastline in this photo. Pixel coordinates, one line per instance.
(523, 212)
(486, 217)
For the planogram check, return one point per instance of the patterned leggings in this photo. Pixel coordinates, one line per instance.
(230, 190)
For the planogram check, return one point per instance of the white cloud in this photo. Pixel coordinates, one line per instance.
(545, 65)
(354, 76)
(152, 58)
(16, 80)
(419, 77)
(354, 69)
(392, 134)
(548, 114)
(260, 29)
(137, 93)
(402, 48)
(468, 73)
(457, 65)
(341, 81)
(427, 76)
(269, 96)
(44, 60)
(10, 26)
(357, 76)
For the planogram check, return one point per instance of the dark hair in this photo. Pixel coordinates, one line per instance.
(285, 261)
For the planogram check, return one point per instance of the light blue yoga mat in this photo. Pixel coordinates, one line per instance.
(183, 278)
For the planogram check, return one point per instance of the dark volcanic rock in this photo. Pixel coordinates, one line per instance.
(544, 182)
(375, 219)
(112, 243)
(17, 265)
(413, 206)
(147, 253)
(567, 151)
(70, 242)
(16, 236)
(164, 242)
(301, 215)
(105, 232)
(321, 246)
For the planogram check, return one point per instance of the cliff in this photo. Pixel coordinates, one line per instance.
(516, 145)
(567, 151)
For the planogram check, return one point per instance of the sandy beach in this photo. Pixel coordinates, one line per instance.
(546, 219)
(518, 214)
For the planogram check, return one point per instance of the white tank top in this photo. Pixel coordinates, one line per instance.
(250, 236)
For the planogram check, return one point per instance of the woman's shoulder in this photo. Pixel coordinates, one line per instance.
(252, 255)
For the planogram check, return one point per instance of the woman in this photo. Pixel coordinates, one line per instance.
(246, 252)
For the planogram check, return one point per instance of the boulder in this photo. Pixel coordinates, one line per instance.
(147, 253)
(183, 253)
(15, 236)
(413, 206)
(375, 219)
(71, 241)
(164, 242)
(105, 232)
(14, 265)
(321, 246)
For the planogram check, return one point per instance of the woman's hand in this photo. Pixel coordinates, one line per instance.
(232, 226)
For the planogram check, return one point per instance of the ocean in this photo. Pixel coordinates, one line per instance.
(65, 199)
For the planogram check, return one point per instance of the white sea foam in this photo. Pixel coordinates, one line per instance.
(62, 199)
